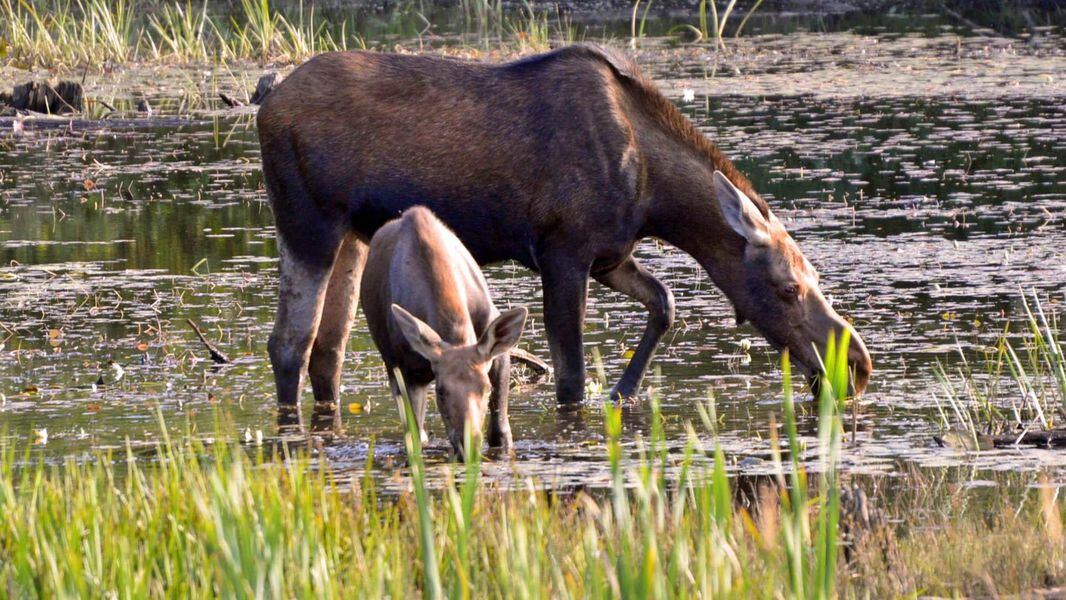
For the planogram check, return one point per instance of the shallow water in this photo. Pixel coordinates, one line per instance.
(923, 176)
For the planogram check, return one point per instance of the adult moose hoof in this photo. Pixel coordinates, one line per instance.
(624, 393)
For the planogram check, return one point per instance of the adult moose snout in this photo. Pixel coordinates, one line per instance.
(860, 365)
(775, 287)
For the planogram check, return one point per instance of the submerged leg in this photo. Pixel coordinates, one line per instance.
(499, 425)
(301, 290)
(633, 280)
(417, 394)
(338, 312)
(565, 285)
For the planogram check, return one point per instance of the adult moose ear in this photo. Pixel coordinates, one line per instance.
(502, 333)
(421, 336)
(740, 212)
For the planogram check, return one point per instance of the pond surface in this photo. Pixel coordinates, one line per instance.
(925, 177)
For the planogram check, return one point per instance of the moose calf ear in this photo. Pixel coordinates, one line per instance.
(502, 333)
(421, 336)
(740, 212)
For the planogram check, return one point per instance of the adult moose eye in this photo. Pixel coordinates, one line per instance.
(789, 291)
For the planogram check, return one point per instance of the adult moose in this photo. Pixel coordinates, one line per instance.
(562, 161)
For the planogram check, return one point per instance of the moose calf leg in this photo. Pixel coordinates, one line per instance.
(499, 425)
(565, 294)
(301, 290)
(633, 280)
(417, 395)
(338, 312)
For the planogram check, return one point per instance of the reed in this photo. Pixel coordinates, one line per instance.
(181, 32)
(1017, 385)
(88, 33)
(229, 520)
(710, 24)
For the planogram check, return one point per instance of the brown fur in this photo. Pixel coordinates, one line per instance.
(447, 329)
(561, 161)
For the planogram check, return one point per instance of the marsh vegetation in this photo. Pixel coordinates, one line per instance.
(918, 164)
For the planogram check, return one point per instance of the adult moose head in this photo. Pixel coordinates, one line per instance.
(562, 161)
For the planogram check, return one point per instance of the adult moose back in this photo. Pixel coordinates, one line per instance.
(562, 161)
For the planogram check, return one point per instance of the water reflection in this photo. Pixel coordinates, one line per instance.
(924, 214)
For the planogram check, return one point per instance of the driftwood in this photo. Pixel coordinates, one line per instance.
(229, 100)
(54, 122)
(538, 366)
(266, 84)
(65, 97)
(216, 354)
(1056, 438)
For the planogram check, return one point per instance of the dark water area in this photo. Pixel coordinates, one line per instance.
(924, 178)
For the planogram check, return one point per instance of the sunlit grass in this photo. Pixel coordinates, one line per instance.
(91, 33)
(710, 25)
(1015, 386)
(219, 520)
(233, 521)
(181, 32)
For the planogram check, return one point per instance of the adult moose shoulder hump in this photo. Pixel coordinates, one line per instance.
(562, 161)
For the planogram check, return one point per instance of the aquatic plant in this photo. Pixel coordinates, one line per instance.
(181, 32)
(1010, 389)
(228, 520)
(192, 519)
(77, 33)
(636, 32)
(88, 32)
(713, 27)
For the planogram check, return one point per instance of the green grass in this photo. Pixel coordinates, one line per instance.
(219, 520)
(1012, 386)
(91, 33)
(710, 25)
(233, 521)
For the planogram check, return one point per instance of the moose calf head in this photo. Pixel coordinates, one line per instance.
(462, 372)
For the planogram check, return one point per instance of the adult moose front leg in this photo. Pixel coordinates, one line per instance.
(565, 281)
(633, 280)
(331, 338)
(499, 425)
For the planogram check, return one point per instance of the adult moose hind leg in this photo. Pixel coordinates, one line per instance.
(331, 338)
(633, 280)
(302, 288)
(565, 282)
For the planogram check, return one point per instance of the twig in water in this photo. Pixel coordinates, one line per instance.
(537, 365)
(216, 354)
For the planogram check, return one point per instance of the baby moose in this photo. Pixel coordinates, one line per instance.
(428, 309)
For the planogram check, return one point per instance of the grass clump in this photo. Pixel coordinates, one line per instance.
(202, 521)
(65, 33)
(231, 521)
(711, 24)
(1018, 386)
(94, 33)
